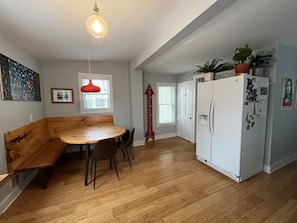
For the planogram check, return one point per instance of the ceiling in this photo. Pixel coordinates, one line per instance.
(166, 37)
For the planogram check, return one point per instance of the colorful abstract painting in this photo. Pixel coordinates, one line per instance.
(18, 83)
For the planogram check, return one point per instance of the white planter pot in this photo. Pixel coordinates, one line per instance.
(208, 76)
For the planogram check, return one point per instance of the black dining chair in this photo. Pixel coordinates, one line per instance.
(126, 145)
(103, 150)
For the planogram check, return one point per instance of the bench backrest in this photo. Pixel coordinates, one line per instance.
(20, 143)
(59, 125)
(24, 141)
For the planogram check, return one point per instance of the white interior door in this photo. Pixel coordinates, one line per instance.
(185, 121)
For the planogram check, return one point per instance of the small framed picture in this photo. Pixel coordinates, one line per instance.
(62, 95)
(288, 91)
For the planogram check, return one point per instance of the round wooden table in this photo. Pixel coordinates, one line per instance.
(91, 135)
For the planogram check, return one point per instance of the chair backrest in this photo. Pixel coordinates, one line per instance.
(126, 135)
(130, 139)
(104, 149)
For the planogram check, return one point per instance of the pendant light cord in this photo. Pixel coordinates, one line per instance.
(89, 64)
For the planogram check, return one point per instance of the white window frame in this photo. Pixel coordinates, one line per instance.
(82, 95)
(173, 101)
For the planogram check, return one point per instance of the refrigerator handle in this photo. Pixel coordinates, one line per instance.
(209, 117)
(211, 122)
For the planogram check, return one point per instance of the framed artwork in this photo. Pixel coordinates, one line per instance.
(288, 93)
(62, 95)
(18, 83)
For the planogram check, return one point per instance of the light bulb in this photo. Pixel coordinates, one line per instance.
(96, 26)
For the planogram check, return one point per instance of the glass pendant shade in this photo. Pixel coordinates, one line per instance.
(96, 26)
(90, 87)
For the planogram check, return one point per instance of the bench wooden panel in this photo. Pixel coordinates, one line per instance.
(59, 125)
(21, 143)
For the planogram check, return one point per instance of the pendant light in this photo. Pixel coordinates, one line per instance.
(90, 87)
(96, 25)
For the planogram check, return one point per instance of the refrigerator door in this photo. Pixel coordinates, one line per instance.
(203, 143)
(254, 127)
(227, 123)
(203, 135)
(204, 97)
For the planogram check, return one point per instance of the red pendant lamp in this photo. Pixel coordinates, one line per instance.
(90, 87)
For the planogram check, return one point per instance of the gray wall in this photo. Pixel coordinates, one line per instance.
(283, 124)
(14, 114)
(152, 79)
(64, 74)
(136, 105)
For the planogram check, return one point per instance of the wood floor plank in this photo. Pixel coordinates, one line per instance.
(166, 184)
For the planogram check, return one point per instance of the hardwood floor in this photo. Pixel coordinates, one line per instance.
(167, 184)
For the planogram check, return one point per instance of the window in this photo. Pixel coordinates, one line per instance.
(100, 102)
(166, 103)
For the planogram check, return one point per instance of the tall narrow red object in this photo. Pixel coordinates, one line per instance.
(150, 133)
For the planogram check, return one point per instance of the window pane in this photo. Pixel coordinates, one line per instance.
(96, 102)
(166, 114)
(166, 103)
(99, 100)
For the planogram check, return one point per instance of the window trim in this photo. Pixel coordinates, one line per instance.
(164, 84)
(82, 76)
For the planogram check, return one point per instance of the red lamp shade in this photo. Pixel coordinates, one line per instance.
(90, 87)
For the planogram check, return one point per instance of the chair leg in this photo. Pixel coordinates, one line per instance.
(114, 162)
(123, 153)
(130, 147)
(95, 174)
(129, 159)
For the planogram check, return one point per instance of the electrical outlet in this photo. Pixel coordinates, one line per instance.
(31, 117)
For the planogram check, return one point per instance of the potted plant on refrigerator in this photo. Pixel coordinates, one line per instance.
(242, 59)
(260, 63)
(209, 69)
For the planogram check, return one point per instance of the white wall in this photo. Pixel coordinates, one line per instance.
(14, 114)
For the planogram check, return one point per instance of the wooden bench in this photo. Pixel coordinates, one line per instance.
(38, 145)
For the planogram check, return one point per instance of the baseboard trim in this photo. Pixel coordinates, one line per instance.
(165, 136)
(10, 198)
(279, 164)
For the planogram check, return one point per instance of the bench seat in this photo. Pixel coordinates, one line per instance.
(44, 157)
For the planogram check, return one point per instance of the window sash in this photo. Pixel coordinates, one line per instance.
(166, 103)
(94, 102)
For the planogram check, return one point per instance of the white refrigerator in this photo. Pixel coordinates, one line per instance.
(231, 123)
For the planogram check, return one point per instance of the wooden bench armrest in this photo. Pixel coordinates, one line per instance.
(3, 179)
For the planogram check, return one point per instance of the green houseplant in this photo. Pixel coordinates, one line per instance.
(242, 59)
(209, 68)
(260, 63)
